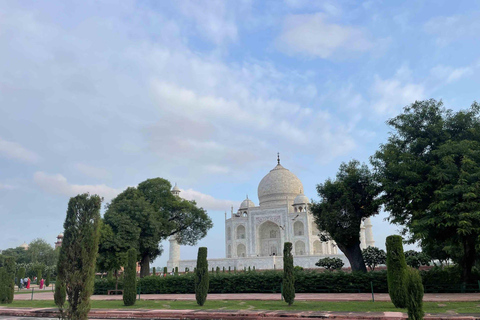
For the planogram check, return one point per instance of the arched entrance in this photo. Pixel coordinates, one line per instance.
(269, 239)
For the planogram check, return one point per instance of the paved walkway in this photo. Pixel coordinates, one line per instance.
(440, 297)
(225, 315)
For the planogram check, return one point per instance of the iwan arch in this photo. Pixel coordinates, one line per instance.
(254, 235)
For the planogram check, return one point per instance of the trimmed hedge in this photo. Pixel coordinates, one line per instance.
(434, 280)
(396, 271)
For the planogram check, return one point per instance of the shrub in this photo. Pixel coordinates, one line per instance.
(60, 294)
(396, 271)
(176, 271)
(201, 277)
(165, 270)
(373, 257)
(38, 272)
(130, 282)
(20, 274)
(4, 280)
(47, 280)
(288, 277)
(217, 270)
(10, 268)
(414, 289)
(154, 271)
(330, 264)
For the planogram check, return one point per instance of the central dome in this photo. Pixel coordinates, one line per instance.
(278, 187)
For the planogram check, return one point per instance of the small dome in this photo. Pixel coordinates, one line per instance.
(176, 188)
(247, 203)
(60, 236)
(24, 246)
(301, 199)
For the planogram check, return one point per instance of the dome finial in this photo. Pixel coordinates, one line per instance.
(278, 157)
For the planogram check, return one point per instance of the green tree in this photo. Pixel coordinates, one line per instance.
(414, 291)
(4, 288)
(110, 255)
(142, 217)
(47, 280)
(416, 259)
(344, 203)
(288, 281)
(330, 264)
(130, 282)
(21, 273)
(429, 172)
(19, 254)
(10, 269)
(396, 271)
(77, 260)
(40, 251)
(373, 257)
(201, 277)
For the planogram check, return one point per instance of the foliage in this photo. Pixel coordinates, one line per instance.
(60, 294)
(4, 288)
(396, 271)
(416, 259)
(40, 251)
(21, 273)
(373, 257)
(10, 268)
(154, 271)
(344, 203)
(288, 282)
(165, 270)
(330, 264)
(142, 217)
(130, 281)
(429, 172)
(201, 277)
(76, 265)
(38, 274)
(414, 292)
(110, 257)
(309, 281)
(47, 280)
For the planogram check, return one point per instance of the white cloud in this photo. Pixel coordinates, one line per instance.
(207, 201)
(390, 95)
(91, 171)
(58, 184)
(449, 74)
(212, 19)
(313, 35)
(7, 186)
(453, 28)
(14, 150)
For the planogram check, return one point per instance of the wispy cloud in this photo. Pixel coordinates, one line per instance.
(313, 35)
(448, 29)
(58, 184)
(16, 151)
(208, 202)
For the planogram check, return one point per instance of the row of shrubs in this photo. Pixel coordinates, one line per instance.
(436, 280)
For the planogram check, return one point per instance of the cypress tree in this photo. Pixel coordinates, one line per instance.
(201, 277)
(154, 271)
(10, 266)
(165, 270)
(396, 271)
(229, 269)
(176, 271)
(47, 280)
(217, 270)
(288, 277)
(20, 274)
(78, 253)
(130, 282)
(38, 271)
(4, 279)
(414, 299)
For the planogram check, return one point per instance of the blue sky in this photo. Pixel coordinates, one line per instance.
(97, 96)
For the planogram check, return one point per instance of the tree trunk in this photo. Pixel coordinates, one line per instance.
(468, 259)
(145, 266)
(354, 256)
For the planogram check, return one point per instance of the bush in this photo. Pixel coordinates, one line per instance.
(176, 271)
(60, 294)
(20, 274)
(154, 271)
(201, 277)
(130, 282)
(165, 270)
(10, 268)
(4, 280)
(414, 289)
(330, 263)
(47, 280)
(396, 271)
(288, 277)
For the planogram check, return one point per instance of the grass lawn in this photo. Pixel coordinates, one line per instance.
(346, 306)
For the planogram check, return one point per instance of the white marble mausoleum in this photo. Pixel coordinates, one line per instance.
(254, 234)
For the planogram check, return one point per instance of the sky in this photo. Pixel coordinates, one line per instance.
(97, 96)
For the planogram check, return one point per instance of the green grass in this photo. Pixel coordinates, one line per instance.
(345, 306)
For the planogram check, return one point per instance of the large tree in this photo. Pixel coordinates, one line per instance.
(345, 202)
(430, 173)
(76, 264)
(142, 217)
(40, 251)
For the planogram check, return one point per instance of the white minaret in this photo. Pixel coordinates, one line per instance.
(369, 233)
(174, 255)
(363, 241)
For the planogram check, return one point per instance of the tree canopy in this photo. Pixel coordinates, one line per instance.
(344, 203)
(142, 217)
(430, 175)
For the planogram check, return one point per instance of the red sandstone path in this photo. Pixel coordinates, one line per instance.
(438, 297)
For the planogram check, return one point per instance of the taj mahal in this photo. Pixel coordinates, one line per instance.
(254, 234)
